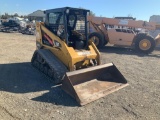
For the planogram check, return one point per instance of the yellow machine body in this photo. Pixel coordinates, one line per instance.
(85, 78)
(68, 55)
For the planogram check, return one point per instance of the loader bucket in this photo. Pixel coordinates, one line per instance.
(87, 85)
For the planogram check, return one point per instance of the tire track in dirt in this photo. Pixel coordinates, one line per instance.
(10, 114)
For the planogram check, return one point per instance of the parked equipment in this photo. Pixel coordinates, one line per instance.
(122, 33)
(65, 55)
(9, 26)
(29, 30)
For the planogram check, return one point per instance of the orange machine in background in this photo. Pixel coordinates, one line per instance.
(121, 32)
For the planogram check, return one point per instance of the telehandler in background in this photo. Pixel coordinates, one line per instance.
(66, 56)
(123, 33)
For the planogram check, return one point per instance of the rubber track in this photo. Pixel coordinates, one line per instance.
(53, 62)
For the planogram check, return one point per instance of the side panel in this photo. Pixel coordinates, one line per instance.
(58, 47)
(38, 35)
(120, 38)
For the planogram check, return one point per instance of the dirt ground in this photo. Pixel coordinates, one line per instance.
(26, 94)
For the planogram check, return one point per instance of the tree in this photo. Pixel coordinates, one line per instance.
(129, 15)
(16, 15)
(5, 16)
(92, 14)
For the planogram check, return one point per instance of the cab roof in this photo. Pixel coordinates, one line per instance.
(64, 9)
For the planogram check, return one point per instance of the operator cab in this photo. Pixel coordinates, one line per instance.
(70, 24)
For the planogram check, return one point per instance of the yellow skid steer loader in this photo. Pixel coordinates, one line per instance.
(66, 56)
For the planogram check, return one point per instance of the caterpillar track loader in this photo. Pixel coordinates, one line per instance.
(65, 55)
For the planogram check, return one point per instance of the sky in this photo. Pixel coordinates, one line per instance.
(139, 9)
